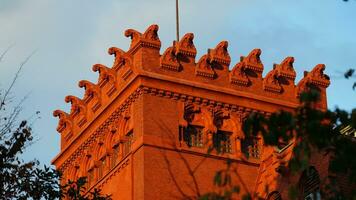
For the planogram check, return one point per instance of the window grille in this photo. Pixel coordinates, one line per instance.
(309, 184)
(222, 142)
(251, 147)
(274, 196)
(193, 136)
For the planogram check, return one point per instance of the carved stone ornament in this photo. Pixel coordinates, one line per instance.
(190, 110)
(204, 68)
(65, 121)
(148, 39)
(316, 78)
(220, 54)
(253, 61)
(286, 69)
(238, 75)
(91, 90)
(271, 83)
(219, 116)
(121, 58)
(77, 105)
(185, 46)
(169, 59)
(105, 73)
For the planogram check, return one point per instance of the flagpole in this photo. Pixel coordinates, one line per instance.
(177, 20)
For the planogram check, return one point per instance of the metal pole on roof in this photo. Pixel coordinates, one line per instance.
(177, 20)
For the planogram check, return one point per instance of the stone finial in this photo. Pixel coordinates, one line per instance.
(220, 54)
(238, 75)
(285, 69)
(271, 83)
(169, 59)
(65, 120)
(185, 46)
(316, 78)
(121, 58)
(91, 89)
(151, 33)
(253, 61)
(105, 73)
(204, 68)
(78, 105)
(134, 35)
(148, 39)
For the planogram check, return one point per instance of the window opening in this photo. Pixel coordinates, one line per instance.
(222, 142)
(250, 147)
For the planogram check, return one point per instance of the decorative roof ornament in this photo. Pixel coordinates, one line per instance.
(91, 89)
(220, 54)
(78, 105)
(271, 83)
(148, 39)
(285, 69)
(238, 75)
(185, 46)
(65, 121)
(169, 59)
(253, 61)
(314, 78)
(105, 73)
(204, 68)
(121, 58)
(317, 76)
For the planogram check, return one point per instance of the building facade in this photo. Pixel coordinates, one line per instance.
(146, 129)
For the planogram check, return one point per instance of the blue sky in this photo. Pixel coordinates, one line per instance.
(69, 36)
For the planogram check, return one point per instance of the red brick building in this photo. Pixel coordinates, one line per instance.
(144, 129)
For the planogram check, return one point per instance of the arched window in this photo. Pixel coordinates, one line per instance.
(128, 142)
(275, 195)
(115, 157)
(102, 160)
(90, 168)
(309, 184)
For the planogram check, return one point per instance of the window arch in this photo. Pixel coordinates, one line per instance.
(101, 159)
(309, 184)
(90, 170)
(275, 195)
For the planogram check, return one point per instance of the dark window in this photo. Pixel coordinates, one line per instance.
(309, 184)
(222, 142)
(102, 167)
(193, 136)
(128, 142)
(250, 147)
(115, 156)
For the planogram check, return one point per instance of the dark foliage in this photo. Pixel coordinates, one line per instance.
(312, 130)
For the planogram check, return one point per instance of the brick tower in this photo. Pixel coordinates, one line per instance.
(144, 129)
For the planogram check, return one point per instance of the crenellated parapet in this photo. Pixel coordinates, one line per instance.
(178, 64)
